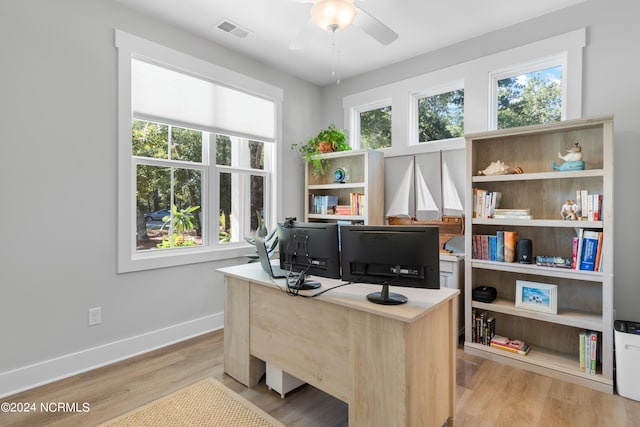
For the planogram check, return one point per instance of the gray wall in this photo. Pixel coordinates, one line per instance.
(610, 86)
(58, 80)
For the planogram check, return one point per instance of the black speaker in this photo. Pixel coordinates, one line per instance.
(525, 255)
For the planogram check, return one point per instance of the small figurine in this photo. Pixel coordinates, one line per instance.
(572, 159)
(570, 210)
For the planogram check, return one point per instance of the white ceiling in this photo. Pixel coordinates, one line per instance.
(422, 25)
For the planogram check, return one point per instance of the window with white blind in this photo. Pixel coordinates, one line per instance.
(197, 157)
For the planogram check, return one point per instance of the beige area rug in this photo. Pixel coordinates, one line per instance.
(205, 403)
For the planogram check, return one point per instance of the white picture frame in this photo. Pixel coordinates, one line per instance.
(542, 297)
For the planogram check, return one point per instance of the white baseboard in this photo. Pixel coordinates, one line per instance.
(51, 370)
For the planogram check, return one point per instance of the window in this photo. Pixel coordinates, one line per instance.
(169, 183)
(432, 111)
(441, 116)
(375, 127)
(197, 157)
(529, 98)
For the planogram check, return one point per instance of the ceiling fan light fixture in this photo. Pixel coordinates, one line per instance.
(333, 15)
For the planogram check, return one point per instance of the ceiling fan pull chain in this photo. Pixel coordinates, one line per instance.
(335, 61)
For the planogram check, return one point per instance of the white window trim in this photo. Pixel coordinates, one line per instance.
(476, 75)
(525, 68)
(354, 128)
(130, 46)
(414, 133)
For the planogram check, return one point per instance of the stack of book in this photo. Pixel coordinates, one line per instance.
(485, 202)
(343, 209)
(358, 203)
(590, 205)
(508, 344)
(500, 247)
(588, 351)
(484, 327)
(322, 204)
(587, 250)
(512, 213)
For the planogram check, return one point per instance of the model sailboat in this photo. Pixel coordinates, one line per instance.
(400, 212)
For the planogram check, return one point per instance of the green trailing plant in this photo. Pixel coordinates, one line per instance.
(327, 140)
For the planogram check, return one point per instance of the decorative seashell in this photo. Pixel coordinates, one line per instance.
(495, 168)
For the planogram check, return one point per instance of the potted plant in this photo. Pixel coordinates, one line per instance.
(328, 140)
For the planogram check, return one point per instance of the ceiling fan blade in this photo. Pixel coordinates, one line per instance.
(304, 36)
(372, 26)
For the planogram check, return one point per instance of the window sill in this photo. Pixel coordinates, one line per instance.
(177, 257)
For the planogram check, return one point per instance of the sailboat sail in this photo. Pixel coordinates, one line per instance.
(399, 205)
(400, 212)
(451, 198)
(424, 202)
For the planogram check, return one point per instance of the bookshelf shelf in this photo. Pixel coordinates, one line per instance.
(320, 217)
(547, 362)
(559, 223)
(337, 186)
(584, 298)
(365, 171)
(593, 276)
(565, 316)
(540, 176)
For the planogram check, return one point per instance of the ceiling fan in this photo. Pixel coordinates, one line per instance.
(336, 15)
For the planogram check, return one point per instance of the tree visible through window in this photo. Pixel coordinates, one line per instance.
(168, 191)
(375, 128)
(530, 99)
(441, 116)
(169, 183)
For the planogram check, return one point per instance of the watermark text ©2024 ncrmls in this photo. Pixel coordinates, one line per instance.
(52, 407)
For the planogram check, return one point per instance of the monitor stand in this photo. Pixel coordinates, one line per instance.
(302, 283)
(385, 297)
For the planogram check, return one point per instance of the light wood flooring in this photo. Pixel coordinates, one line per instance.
(488, 393)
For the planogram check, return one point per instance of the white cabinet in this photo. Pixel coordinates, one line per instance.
(584, 298)
(451, 276)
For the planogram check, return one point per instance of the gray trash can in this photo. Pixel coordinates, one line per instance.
(627, 344)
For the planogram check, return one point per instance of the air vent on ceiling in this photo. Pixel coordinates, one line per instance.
(235, 29)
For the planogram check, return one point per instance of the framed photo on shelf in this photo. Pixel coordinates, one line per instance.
(535, 296)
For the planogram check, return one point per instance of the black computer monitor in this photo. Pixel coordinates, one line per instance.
(391, 255)
(310, 248)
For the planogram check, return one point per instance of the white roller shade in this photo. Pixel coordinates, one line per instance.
(174, 97)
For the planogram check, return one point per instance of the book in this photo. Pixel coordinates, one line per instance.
(582, 337)
(512, 345)
(493, 247)
(589, 250)
(574, 253)
(510, 239)
(587, 352)
(599, 252)
(584, 200)
(514, 212)
(553, 261)
(500, 246)
(593, 337)
(509, 216)
(577, 254)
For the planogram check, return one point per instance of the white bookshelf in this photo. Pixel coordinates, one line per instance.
(365, 169)
(585, 298)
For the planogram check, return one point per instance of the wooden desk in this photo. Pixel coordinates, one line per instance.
(393, 365)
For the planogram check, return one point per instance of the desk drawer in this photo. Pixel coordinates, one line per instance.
(446, 267)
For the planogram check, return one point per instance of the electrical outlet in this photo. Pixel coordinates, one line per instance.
(95, 316)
